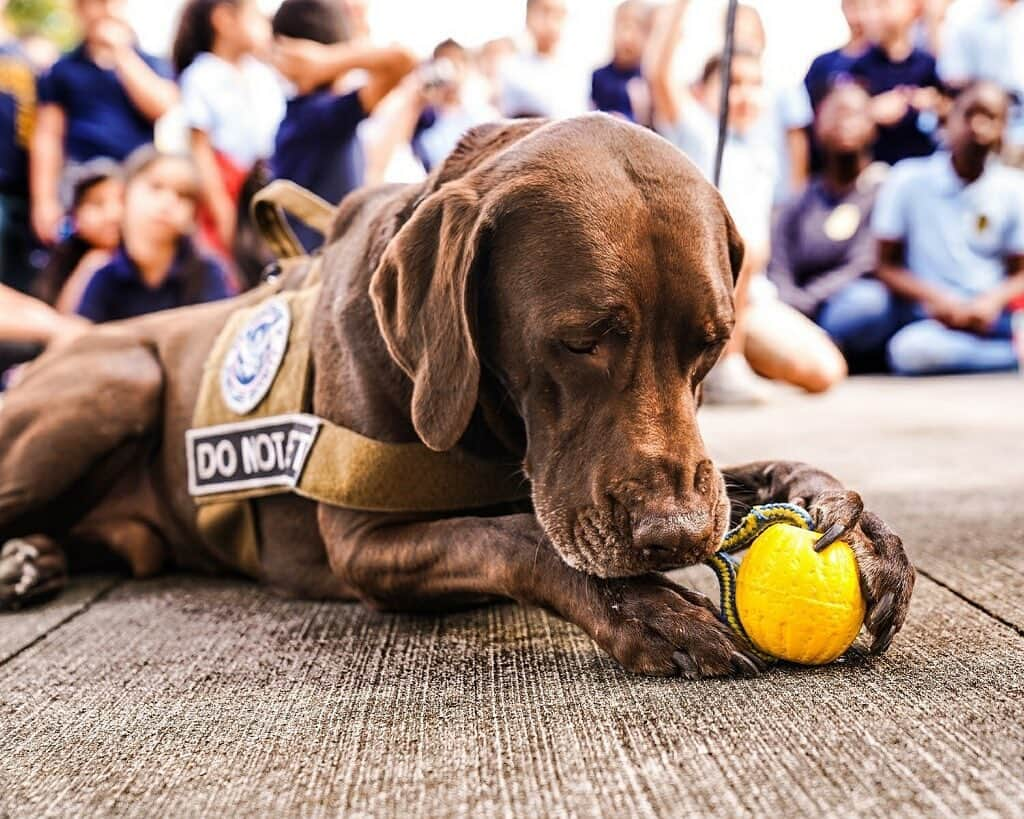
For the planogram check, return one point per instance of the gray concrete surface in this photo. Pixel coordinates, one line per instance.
(188, 696)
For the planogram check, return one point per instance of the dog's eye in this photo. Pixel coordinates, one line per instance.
(581, 347)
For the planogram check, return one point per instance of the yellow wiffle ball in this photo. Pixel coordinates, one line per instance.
(796, 604)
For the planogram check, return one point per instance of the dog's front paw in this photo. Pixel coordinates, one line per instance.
(653, 626)
(31, 570)
(886, 576)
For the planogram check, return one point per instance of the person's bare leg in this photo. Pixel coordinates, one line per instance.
(784, 345)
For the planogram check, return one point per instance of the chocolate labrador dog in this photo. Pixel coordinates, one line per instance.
(553, 294)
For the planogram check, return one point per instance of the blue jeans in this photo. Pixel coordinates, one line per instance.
(864, 319)
(928, 347)
(863, 316)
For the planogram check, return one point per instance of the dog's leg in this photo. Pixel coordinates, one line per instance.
(73, 410)
(887, 576)
(648, 624)
(70, 416)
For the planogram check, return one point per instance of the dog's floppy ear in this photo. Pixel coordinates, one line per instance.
(737, 249)
(425, 302)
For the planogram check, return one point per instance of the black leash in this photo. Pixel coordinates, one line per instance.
(725, 72)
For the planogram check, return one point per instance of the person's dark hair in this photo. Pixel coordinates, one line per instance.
(971, 86)
(64, 258)
(836, 82)
(714, 64)
(67, 254)
(318, 20)
(195, 31)
(448, 45)
(193, 265)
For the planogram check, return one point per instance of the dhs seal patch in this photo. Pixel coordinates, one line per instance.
(255, 357)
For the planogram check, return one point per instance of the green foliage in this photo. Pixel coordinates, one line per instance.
(47, 18)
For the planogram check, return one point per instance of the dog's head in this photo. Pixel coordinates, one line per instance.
(588, 266)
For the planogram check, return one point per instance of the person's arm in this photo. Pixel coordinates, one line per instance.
(45, 163)
(150, 93)
(939, 304)
(215, 194)
(25, 319)
(667, 95)
(315, 64)
(799, 147)
(394, 125)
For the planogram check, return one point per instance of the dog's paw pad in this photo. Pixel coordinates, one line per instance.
(29, 573)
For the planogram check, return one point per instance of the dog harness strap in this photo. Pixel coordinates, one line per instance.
(252, 435)
(281, 197)
(349, 470)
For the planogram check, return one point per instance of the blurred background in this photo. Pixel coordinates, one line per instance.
(106, 105)
(791, 44)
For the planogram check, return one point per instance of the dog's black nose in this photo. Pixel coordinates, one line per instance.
(675, 531)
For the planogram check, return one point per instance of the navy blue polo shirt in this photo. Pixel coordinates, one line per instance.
(17, 112)
(825, 71)
(316, 147)
(608, 89)
(116, 291)
(101, 119)
(879, 73)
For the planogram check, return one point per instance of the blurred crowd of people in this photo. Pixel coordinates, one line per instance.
(879, 201)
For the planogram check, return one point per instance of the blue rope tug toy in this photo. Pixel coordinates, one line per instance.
(788, 599)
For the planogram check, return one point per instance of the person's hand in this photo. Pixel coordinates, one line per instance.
(890, 107)
(304, 62)
(925, 99)
(983, 312)
(948, 310)
(47, 214)
(66, 329)
(110, 39)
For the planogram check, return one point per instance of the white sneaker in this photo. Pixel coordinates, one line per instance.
(731, 381)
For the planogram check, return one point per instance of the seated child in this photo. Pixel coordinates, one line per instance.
(950, 231)
(157, 266)
(99, 100)
(822, 247)
(316, 145)
(96, 211)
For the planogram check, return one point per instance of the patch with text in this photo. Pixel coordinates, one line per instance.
(258, 454)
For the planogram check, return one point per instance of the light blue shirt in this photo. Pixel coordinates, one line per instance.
(957, 236)
(985, 44)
